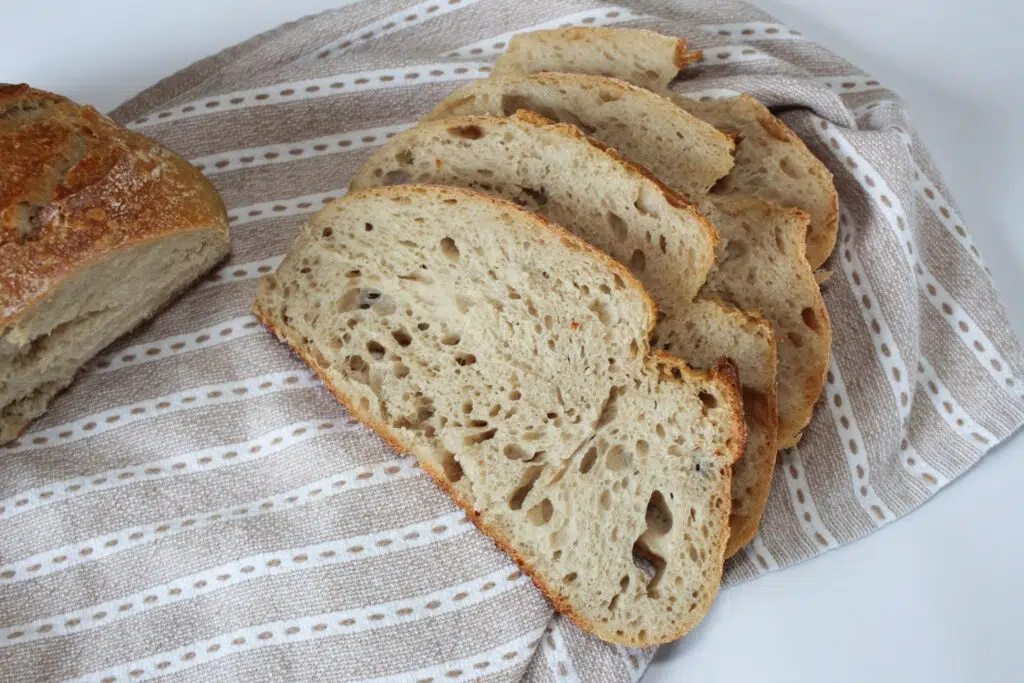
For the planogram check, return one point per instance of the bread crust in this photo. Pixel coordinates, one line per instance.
(668, 367)
(76, 188)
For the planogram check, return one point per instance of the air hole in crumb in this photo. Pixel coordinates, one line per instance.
(617, 459)
(570, 577)
(514, 451)
(466, 132)
(638, 261)
(658, 516)
(451, 467)
(526, 483)
(449, 249)
(709, 400)
(396, 177)
(450, 339)
(479, 437)
(618, 226)
(810, 319)
(540, 514)
(588, 460)
(606, 499)
(376, 349)
(423, 327)
(368, 227)
(465, 358)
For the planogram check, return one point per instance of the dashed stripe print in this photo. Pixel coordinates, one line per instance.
(556, 654)
(100, 547)
(753, 30)
(891, 207)
(237, 572)
(854, 447)
(295, 206)
(950, 410)
(515, 653)
(200, 397)
(853, 83)
(329, 86)
(733, 54)
(253, 157)
(180, 344)
(759, 555)
(495, 45)
(205, 460)
(792, 473)
(239, 272)
(897, 374)
(391, 24)
(332, 624)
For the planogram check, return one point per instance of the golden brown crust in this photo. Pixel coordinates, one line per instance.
(76, 187)
(668, 367)
(684, 58)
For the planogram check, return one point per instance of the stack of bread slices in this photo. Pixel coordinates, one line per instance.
(589, 307)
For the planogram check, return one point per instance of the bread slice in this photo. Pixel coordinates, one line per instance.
(774, 164)
(684, 152)
(648, 59)
(702, 335)
(558, 172)
(761, 267)
(512, 360)
(99, 228)
(679, 149)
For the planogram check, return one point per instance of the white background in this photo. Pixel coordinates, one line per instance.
(939, 595)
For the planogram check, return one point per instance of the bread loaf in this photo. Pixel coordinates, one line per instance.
(649, 59)
(512, 360)
(99, 228)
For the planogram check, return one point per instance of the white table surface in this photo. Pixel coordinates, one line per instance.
(936, 597)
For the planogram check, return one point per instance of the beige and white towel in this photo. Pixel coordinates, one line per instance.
(197, 507)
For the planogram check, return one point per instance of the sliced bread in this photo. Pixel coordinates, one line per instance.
(512, 360)
(702, 334)
(773, 163)
(558, 172)
(649, 59)
(679, 149)
(684, 152)
(761, 267)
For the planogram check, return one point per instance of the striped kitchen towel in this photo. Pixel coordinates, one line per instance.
(197, 507)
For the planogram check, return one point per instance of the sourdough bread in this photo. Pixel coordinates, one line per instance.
(676, 147)
(774, 164)
(512, 360)
(684, 152)
(648, 59)
(761, 267)
(771, 162)
(558, 172)
(99, 228)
